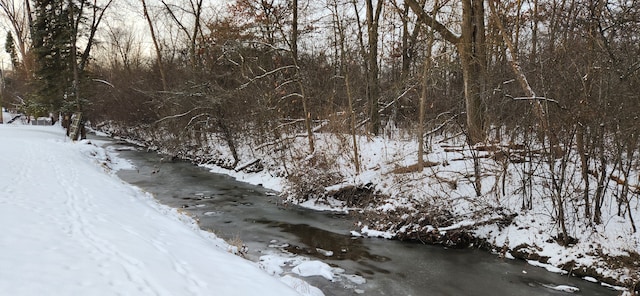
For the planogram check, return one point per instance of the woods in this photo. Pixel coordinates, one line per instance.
(549, 87)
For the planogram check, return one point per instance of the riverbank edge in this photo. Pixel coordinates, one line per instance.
(376, 224)
(397, 226)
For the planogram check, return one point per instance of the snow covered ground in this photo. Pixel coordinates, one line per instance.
(600, 249)
(508, 202)
(71, 227)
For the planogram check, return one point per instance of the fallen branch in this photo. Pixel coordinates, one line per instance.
(301, 135)
(535, 98)
(246, 164)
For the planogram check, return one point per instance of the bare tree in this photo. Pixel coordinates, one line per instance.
(195, 10)
(425, 87)
(124, 49)
(539, 109)
(96, 15)
(338, 23)
(19, 16)
(294, 56)
(471, 49)
(373, 84)
(156, 45)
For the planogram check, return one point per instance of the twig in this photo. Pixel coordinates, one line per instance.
(265, 74)
(535, 98)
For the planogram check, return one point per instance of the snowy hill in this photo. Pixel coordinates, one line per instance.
(70, 227)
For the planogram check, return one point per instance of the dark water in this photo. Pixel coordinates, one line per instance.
(252, 214)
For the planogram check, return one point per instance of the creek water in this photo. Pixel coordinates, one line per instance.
(238, 211)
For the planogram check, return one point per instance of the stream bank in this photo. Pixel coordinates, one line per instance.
(272, 230)
(438, 202)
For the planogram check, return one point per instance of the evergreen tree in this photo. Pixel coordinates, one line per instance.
(10, 48)
(51, 35)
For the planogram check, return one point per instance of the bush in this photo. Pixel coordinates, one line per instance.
(309, 178)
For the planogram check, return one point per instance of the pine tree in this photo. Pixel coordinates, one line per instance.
(10, 48)
(51, 35)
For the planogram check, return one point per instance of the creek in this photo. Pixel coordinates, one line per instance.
(254, 215)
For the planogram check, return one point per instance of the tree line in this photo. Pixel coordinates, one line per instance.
(561, 76)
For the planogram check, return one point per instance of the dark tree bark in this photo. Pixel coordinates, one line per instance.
(373, 85)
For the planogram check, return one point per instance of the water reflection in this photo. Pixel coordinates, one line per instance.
(324, 244)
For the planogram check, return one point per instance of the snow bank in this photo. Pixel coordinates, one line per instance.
(314, 268)
(71, 228)
(509, 206)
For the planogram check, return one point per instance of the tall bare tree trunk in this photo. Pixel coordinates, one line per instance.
(473, 55)
(584, 168)
(307, 118)
(422, 107)
(406, 57)
(373, 84)
(156, 45)
(344, 68)
(425, 87)
(294, 30)
(538, 108)
(471, 48)
(74, 54)
(534, 33)
(196, 29)
(196, 10)
(352, 123)
(294, 56)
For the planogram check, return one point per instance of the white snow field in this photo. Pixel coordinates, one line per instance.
(71, 227)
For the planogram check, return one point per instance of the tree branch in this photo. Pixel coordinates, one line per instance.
(535, 98)
(430, 21)
(177, 115)
(265, 74)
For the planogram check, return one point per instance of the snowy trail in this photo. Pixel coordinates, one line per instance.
(70, 228)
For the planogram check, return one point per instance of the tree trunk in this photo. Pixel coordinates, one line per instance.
(96, 19)
(421, 108)
(406, 57)
(196, 29)
(74, 61)
(473, 59)
(352, 127)
(538, 108)
(584, 164)
(307, 119)
(294, 30)
(472, 52)
(156, 45)
(294, 56)
(602, 178)
(373, 85)
(534, 33)
(344, 68)
(423, 97)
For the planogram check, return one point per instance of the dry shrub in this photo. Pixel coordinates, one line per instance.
(309, 178)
